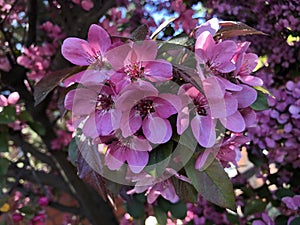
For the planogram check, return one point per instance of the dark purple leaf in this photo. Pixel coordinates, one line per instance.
(231, 29)
(50, 81)
(140, 33)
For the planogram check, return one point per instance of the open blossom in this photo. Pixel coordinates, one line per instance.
(97, 103)
(202, 124)
(133, 150)
(245, 64)
(216, 56)
(135, 61)
(154, 187)
(143, 107)
(292, 203)
(83, 53)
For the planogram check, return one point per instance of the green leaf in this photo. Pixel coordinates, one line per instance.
(4, 141)
(161, 27)
(160, 215)
(178, 210)
(73, 151)
(163, 204)
(159, 159)
(284, 192)
(37, 127)
(261, 102)
(50, 81)
(27, 210)
(213, 184)
(8, 115)
(25, 116)
(182, 39)
(185, 191)
(4, 163)
(136, 209)
(263, 90)
(254, 206)
(231, 29)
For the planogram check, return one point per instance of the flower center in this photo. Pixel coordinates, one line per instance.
(104, 102)
(201, 105)
(95, 58)
(144, 107)
(134, 71)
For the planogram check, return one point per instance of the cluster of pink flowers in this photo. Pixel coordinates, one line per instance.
(120, 102)
(37, 58)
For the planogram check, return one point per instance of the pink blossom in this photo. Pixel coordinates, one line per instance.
(12, 99)
(43, 201)
(212, 26)
(83, 53)
(292, 203)
(39, 219)
(245, 64)
(133, 150)
(135, 61)
(143, 107)
(97, 103)
(17, 217)
(4, 64)
(216, 56)
(203, 125)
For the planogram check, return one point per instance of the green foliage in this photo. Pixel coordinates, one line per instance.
(8, 115)
(213, 184)
(254, 206)
(261, 102)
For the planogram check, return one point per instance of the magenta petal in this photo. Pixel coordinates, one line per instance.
(212, 26)
(131, 122)
(204, 45)
(98, 38)
(157, 70)
(84, 101)
(157, 130)
(73, 79)
(251, 80)
(168, 191)
(228, 85)
(153, 195)
(235, 122)
(117, 56)
(104, 123)
(246, 96)
(145, 50)
(3, 101)
(140, 144)
(221, 108)
(137, 160)
(203, 128)
(69, 99)
(90, 128)
(222, 55)
(13, 98)
(166, 105)
(115, 157)
(77, 51)
(182, 120)
(202, 158)
(93, 77)
(249, 116)
(213, 88)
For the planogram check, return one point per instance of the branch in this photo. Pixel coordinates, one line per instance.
(32, 19)
(65, 208)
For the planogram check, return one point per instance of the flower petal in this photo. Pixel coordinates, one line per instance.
(145, 50)
(90, 128)
(234, 122)
(98, 38)
(157, 70)
(157, 130)
(137, 160)
(77, 51)
(131, 121)
(245, 97)
(182, 120)
(166, 105)
(115, 156)
(203, 128)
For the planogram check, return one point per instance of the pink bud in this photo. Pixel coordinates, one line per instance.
(3, 101)
(87, 5)
(43, 201)
(13, 98)
(17, 217)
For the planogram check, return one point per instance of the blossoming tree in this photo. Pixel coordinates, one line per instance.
(109, 101)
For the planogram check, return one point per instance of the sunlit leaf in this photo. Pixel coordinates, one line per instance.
(261, 102)
(213, 184)
(231, 29)
(263, 90)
